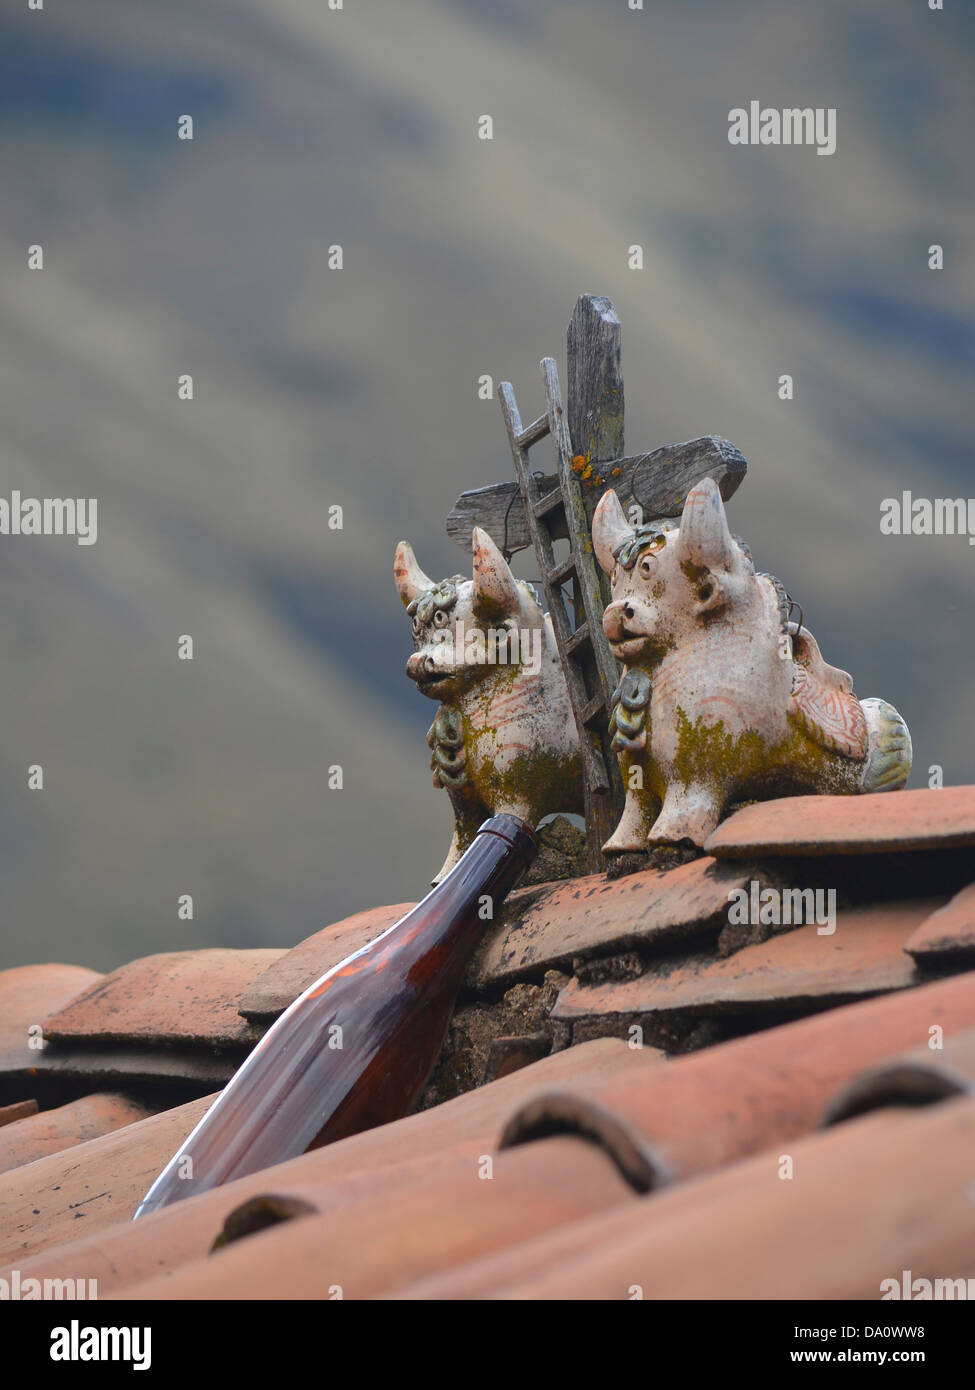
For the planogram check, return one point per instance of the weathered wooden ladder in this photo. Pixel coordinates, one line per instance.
(588, 665)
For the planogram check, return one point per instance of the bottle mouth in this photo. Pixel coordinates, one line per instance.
(515, 832)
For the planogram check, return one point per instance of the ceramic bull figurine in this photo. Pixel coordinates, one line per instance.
(504, 738)
(722, 698)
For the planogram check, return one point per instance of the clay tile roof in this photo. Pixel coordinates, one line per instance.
(50, 1131)
(753, 1093)
(947, 937)
(586, 916)
(557, 1196)
(874, 824)
(167, 1020)
(800, 968)
(20, 1110)
(542, 929)
(90, 1186)
(28, 994)
(104, 1180)
(408, 1231)
(919, 1077)
(270, 992)
(179, 996)
(866, 1208)
(629, 1063)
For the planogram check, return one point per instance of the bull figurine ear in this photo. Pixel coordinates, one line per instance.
(410, 579)
(495, 587)
(610, 529)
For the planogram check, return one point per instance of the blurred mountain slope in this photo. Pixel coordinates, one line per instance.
(357, 387)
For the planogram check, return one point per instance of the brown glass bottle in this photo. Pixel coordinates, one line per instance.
(356, 1048)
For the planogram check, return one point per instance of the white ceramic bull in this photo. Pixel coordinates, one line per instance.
(504, 738)
(723, 699)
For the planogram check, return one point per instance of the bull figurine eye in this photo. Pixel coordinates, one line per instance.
(648, 560)
(417, 627)
(440, 618)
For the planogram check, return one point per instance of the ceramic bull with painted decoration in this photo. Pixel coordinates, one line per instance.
(504, 738)
(723, 698)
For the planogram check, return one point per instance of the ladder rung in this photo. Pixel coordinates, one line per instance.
(595, 709)
(578, 639)
(532, 433)
(549, 502)
(562, 572)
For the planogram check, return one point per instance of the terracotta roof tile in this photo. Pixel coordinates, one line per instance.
(510, 1054)
(101, 1183)
(728, 1101)
(177, 996)
(167, 1020)
(400, 1234)
(873, 824)
(947, 937)
(88, 1187)
(860, 1207)
(123, 1067)
(864, 956)
(921, 1076)
(61, 1128)
(28, 993)
(270, 993)
(10, 1114)
(582, 916)
(119, 1252)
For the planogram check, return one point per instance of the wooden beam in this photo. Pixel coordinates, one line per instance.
(659, 482)
(595, 380)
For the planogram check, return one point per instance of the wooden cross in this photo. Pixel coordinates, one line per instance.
(588, 435)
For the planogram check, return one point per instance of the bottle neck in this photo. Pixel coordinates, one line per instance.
(499, 856)
(430, 936)
(515, 832)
